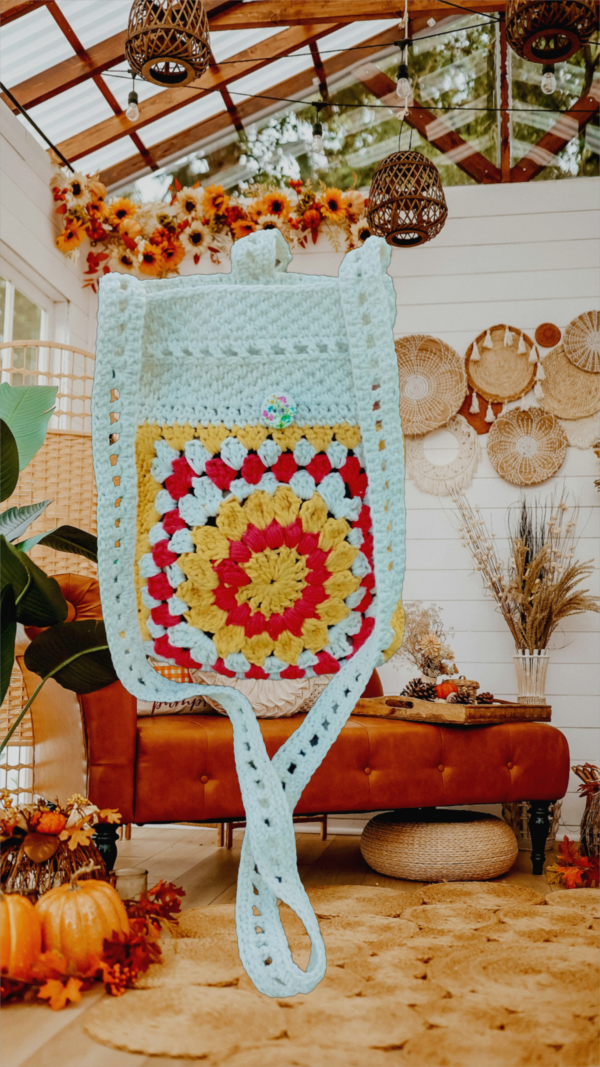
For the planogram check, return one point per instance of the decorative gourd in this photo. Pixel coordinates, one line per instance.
(20, 935)
(77, 917)
(51, 822)
(445, 688)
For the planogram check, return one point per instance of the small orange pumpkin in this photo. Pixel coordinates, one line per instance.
(51, 822)
(77, 917)
(20, 935)
(445, 688)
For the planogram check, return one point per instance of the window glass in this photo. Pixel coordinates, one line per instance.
(27, 318)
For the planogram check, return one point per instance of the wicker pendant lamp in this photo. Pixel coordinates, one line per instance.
(167, 41)
(544, 31)
(406, 202)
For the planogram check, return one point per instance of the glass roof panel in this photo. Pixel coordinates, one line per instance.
(94, 22)
(265, 78)
(119, 82)
(171, 124)
(226, 43)
(73, 111)
(31, 44)
(105, 157)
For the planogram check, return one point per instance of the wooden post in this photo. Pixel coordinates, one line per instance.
(324, 828)
(229, 835)
(504, 104)
(221, 834)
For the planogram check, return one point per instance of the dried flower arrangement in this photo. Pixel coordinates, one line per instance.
(43, 844)
(153, 239)
(425, 641)
(53, 976)
(539, 588)
(572, 870)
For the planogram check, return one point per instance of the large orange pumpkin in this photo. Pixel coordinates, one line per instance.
(20, 935)
(77, 917)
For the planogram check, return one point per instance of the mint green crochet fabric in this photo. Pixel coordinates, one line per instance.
(235, 350)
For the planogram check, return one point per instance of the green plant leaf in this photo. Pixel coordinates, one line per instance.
(70, 539)
(90, 671)
(14, 521)
(9, 461)
(31, 542)
(38, 597)
(8, 631)
(27, 410)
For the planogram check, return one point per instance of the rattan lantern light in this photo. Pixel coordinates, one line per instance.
(544, 31)
(406, 202)
(167, 41)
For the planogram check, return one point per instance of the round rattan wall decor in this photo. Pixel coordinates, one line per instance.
(433, 383)
(498, 366)
(442, 479)
(569, 392)
(527, 447)
(582, 433)
(582, 341)
(547, 335)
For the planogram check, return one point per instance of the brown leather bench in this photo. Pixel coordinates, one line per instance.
(180, 768)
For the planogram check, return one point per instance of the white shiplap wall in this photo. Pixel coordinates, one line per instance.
(29, 226)
(520, 254)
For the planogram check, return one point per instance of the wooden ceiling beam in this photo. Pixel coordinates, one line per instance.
(214, 78)
(446, 140)
(14, 9)
(248, 109)
(255, 14)
(569, 125)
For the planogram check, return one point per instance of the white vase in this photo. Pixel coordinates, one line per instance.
(531, 668)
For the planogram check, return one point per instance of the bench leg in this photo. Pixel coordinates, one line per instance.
(539, 825)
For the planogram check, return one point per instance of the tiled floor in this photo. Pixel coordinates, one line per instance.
(34, 1036)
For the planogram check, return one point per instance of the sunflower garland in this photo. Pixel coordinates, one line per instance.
(152, 240)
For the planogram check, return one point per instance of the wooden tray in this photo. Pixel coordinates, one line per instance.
(414, 710)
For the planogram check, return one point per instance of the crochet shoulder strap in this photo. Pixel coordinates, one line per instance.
(137, 354)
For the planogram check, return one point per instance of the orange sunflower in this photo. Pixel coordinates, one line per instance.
(120, 210)
(172, 253)
(276, 204)
(332, 204)
(151, 260)
(72, 235)
(242, 227)
(215, 200)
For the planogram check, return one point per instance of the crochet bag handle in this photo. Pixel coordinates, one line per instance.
(261, 259)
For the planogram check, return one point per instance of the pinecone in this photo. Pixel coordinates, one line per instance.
(419, 690)
(458, 698)
(485, 698)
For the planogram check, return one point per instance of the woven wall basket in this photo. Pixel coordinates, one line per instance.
(569, 392)
(527, 447)
(501, 373)
(443, 479)
(433, 383)
(582, 433)
(582, 341)
(547, 335)
(439, 846)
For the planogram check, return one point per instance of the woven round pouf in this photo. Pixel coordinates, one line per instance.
(439, 846)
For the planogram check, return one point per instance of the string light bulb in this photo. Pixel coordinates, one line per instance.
(133, 111)
(403, 86)
(548, 79)
(317, 131)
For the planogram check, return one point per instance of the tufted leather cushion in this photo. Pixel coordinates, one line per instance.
(185, 768)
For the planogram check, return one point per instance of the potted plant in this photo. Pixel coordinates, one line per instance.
(74, 653)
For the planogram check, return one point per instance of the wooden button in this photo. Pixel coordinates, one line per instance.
(367, 770)
(204, 779)
(441, 767)
(509, 765)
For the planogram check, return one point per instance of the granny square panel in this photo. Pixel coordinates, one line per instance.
(249, 462)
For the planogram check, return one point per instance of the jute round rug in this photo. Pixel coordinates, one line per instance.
(454, 975)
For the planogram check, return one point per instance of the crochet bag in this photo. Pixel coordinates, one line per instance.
(249, 464)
